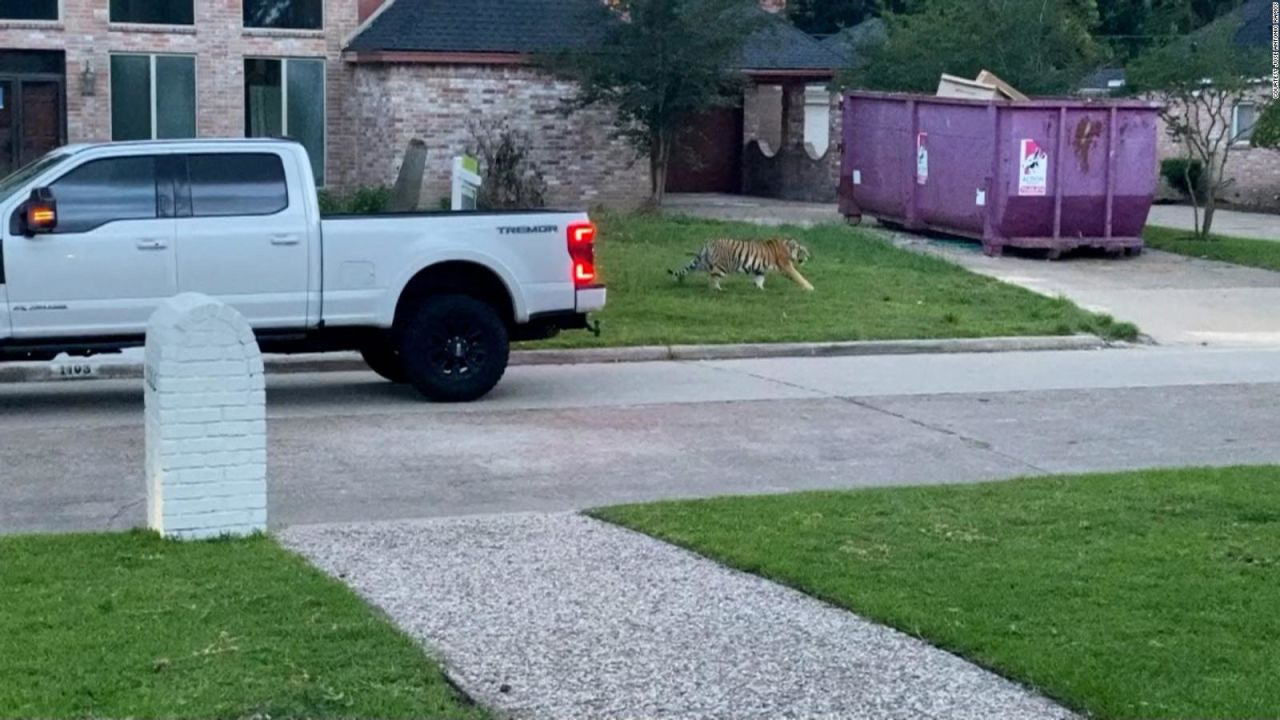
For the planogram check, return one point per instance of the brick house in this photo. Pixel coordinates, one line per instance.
(1253, 173)
(92, 70)
(424, 68)
(353, 80)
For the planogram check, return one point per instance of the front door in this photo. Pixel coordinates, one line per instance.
(32, 118)
(109, 263)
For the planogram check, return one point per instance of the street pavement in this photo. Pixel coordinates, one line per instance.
(347, 447)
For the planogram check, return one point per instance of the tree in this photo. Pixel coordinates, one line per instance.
(659, 64)
(1038, 46)
(1199, 80)
(1266, 132)
(1131, 27)
(824, 17)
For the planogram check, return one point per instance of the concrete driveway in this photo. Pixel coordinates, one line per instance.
(1225, 222)
(347, 447)
(1173, 299)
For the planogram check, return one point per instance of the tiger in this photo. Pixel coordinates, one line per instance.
(753, 257)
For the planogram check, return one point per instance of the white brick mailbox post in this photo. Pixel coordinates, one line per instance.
(206, 421)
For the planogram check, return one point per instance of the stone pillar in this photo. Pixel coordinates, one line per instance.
(793, 116)
(206, 429)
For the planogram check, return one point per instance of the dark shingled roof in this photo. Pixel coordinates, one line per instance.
(501, 26)
(779, 45)
(851, 43)
(538, 26)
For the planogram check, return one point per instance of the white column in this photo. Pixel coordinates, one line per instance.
(206, 428)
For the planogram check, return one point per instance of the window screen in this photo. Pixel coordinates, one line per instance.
(1246, 117)
(133, 95)
(287, 98)
(229, 184)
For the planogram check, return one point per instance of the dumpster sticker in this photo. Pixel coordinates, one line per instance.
(857, 177)
(922, 158)
(1033, 170)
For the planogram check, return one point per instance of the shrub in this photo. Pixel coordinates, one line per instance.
(364, 201)
(1266, 133)
(1177, 170)
(512, 181)
(330, 204)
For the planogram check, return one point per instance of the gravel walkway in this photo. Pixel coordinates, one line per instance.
(561, 616)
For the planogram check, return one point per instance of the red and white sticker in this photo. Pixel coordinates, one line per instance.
(1033, 169)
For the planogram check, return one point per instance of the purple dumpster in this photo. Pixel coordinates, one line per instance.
(1051, 174)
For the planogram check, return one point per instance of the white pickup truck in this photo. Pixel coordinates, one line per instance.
(94, 237)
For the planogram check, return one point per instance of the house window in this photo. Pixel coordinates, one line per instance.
(285, 98)
(28, 9)
(284, 14)
(153, 12)
(1243, 117)
(153, 96)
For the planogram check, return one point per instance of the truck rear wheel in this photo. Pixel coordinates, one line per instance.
(454, 348)
(385, 360)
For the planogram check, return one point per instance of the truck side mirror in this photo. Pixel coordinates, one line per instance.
(40, 213)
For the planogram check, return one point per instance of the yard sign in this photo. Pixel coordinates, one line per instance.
(466, 182)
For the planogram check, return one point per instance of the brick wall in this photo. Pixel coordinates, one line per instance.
(789, 168)
(220, 43)
(205, 421)
(1254, 173)
(582, 164)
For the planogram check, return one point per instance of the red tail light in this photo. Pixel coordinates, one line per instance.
(582, 250)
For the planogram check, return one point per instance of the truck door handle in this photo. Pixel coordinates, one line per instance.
(152, 244)
(285, 239)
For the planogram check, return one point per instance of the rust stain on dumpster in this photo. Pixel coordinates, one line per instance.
(1087, 132)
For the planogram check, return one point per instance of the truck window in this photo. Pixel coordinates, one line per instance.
(10, 184)
(105, 191)
(224, 184)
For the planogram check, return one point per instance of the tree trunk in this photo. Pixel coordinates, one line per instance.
(1195, 199)
(663, 158)
(1213, 177)
(1210, 202)
(653, 170)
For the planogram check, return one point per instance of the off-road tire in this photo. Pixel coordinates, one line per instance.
(384, 360)
(454, 348)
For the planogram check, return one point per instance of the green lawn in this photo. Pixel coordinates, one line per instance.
(1141, 595)
(130, 625)
(866, 290)
(1241, 251)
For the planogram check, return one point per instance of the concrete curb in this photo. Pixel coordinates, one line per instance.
(116, 369)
